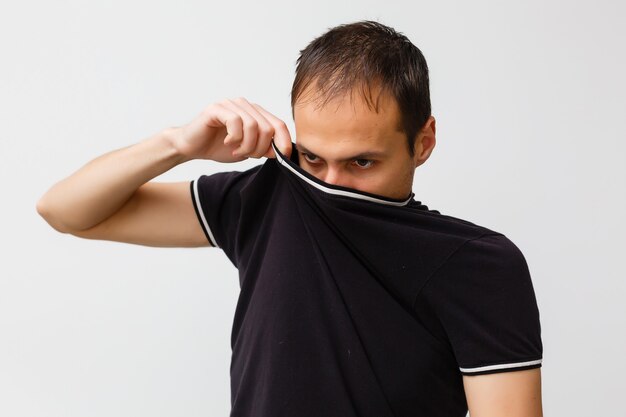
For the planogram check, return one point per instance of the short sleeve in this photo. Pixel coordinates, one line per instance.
(217, 202)
(482, 302)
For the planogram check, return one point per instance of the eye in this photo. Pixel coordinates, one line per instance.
(308, 156)
(364, 163)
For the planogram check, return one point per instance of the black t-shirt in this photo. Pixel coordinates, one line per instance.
(355, 304)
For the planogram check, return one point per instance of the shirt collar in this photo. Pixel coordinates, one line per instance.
(293, 167)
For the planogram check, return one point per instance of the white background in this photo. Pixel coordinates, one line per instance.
(529, 99)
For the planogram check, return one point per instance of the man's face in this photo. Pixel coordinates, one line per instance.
(345, 143)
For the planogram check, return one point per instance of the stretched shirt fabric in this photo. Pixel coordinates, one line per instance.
(356, 304)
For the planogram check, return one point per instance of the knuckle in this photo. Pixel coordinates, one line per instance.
(252, 126)
(261, 149)
(237, 118)
(245, 152)
(247, 146)
(210, 109)
(281, 125)
(236, 137)
(266, 131)
(254, 123)
(254, 153)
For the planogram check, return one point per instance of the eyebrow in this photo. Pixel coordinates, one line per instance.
(362, 155)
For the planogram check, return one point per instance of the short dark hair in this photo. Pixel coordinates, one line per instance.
(366, 54)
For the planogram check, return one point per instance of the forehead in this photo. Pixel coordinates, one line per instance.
(347, 115)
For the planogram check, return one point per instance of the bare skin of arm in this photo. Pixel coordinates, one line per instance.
(511, 394)
(112, 197)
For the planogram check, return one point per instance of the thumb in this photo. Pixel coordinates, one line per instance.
(285, 147)
(282, 139)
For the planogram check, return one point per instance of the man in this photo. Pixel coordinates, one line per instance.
(356, 299)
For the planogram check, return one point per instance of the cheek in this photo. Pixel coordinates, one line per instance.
(381, 181)
(396, 179)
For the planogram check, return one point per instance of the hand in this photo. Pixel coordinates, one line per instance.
(232, 131)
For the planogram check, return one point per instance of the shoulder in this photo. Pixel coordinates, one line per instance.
(460, 231)
(482, 301)
(491, 256)
(490, 249)
(490, 266)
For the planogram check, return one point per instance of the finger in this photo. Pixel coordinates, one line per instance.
(250, 129)
(282, 138)
(228, 118)
(265, 128)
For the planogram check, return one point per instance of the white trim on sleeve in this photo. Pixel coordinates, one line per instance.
(201, 212)
(501, 366)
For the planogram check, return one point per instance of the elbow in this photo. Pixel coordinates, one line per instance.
(48, 215)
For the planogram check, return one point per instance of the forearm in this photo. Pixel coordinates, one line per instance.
(103, 185)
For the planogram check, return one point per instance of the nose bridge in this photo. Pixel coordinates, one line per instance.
(333, 175)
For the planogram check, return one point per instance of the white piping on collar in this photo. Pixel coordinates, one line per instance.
(329, 190)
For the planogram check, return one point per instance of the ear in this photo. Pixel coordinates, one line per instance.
(425, 142)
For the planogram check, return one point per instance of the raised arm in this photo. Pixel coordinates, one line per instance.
(112, 198)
